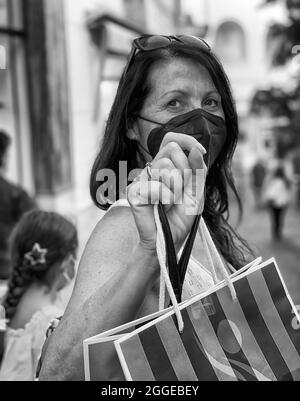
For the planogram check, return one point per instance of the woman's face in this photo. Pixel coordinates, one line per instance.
(177, 87)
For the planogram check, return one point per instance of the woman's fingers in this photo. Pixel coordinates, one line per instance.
(175, 178)
(174, 152)
(170, 176)
(194, 196)
(145, 193)
(196, 161)
(164, 171)
(184, 151)
(185, 142)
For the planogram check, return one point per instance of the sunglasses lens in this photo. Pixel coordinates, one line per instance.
(153, 42)
(194, 41)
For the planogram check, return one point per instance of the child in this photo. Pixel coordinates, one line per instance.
(44, 246)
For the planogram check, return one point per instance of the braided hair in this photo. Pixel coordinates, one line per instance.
(55, 238)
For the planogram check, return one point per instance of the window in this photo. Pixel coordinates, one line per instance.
(112, 37)
(3, 13)
(14, 115)
(231, 42)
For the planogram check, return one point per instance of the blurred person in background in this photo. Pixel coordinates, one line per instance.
(258, 176)
(278, 196)
(44, 247)
(14, 202)
(239, 169)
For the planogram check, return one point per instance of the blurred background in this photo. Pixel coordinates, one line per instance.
(60, 65)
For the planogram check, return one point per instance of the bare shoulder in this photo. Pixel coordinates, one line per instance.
(109, 246)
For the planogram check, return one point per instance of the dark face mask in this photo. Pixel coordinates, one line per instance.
(209, 130)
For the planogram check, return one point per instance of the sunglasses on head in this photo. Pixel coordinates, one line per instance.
(155, 42)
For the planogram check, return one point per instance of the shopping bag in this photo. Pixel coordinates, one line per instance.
(252, 339)
(97, 348)
(242, 334)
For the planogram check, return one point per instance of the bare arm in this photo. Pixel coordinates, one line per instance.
(114, 277)
(120, 265)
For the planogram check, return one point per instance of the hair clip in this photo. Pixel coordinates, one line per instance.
(37, 255)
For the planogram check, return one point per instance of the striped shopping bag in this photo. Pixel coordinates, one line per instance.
(245, 334)
(101, 347)
(252, 339)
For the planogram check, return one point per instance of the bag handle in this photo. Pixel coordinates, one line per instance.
(211, 250)
(173, 275)
(177, 270)
(162, 251)
(170, 252)
(172, 272)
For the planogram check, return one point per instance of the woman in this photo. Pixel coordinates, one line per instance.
(166, 78)
(43, 249)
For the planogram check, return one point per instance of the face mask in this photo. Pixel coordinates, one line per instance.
(68, 264)
(209, 130)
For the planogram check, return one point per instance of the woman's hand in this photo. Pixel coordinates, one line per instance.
(178, 182)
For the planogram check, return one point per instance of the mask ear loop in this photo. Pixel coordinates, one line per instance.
(150, 121)
(144, 149)
(65, 273)
(67, 278)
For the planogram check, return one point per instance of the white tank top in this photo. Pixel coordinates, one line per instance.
(198, 278)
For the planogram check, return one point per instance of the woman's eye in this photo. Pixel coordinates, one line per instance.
(213, 103)
(174, 103)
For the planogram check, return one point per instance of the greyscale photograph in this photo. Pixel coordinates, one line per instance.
(149, 193)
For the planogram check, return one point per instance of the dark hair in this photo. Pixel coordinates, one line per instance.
(53, 233)
(131, 95)
(4, 144)
(280, 172)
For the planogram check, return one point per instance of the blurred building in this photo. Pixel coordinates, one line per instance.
(64, 60)
(239, 34)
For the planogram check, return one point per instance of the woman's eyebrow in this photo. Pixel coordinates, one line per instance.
(176, 91)
(212, 92)
(187, 93)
